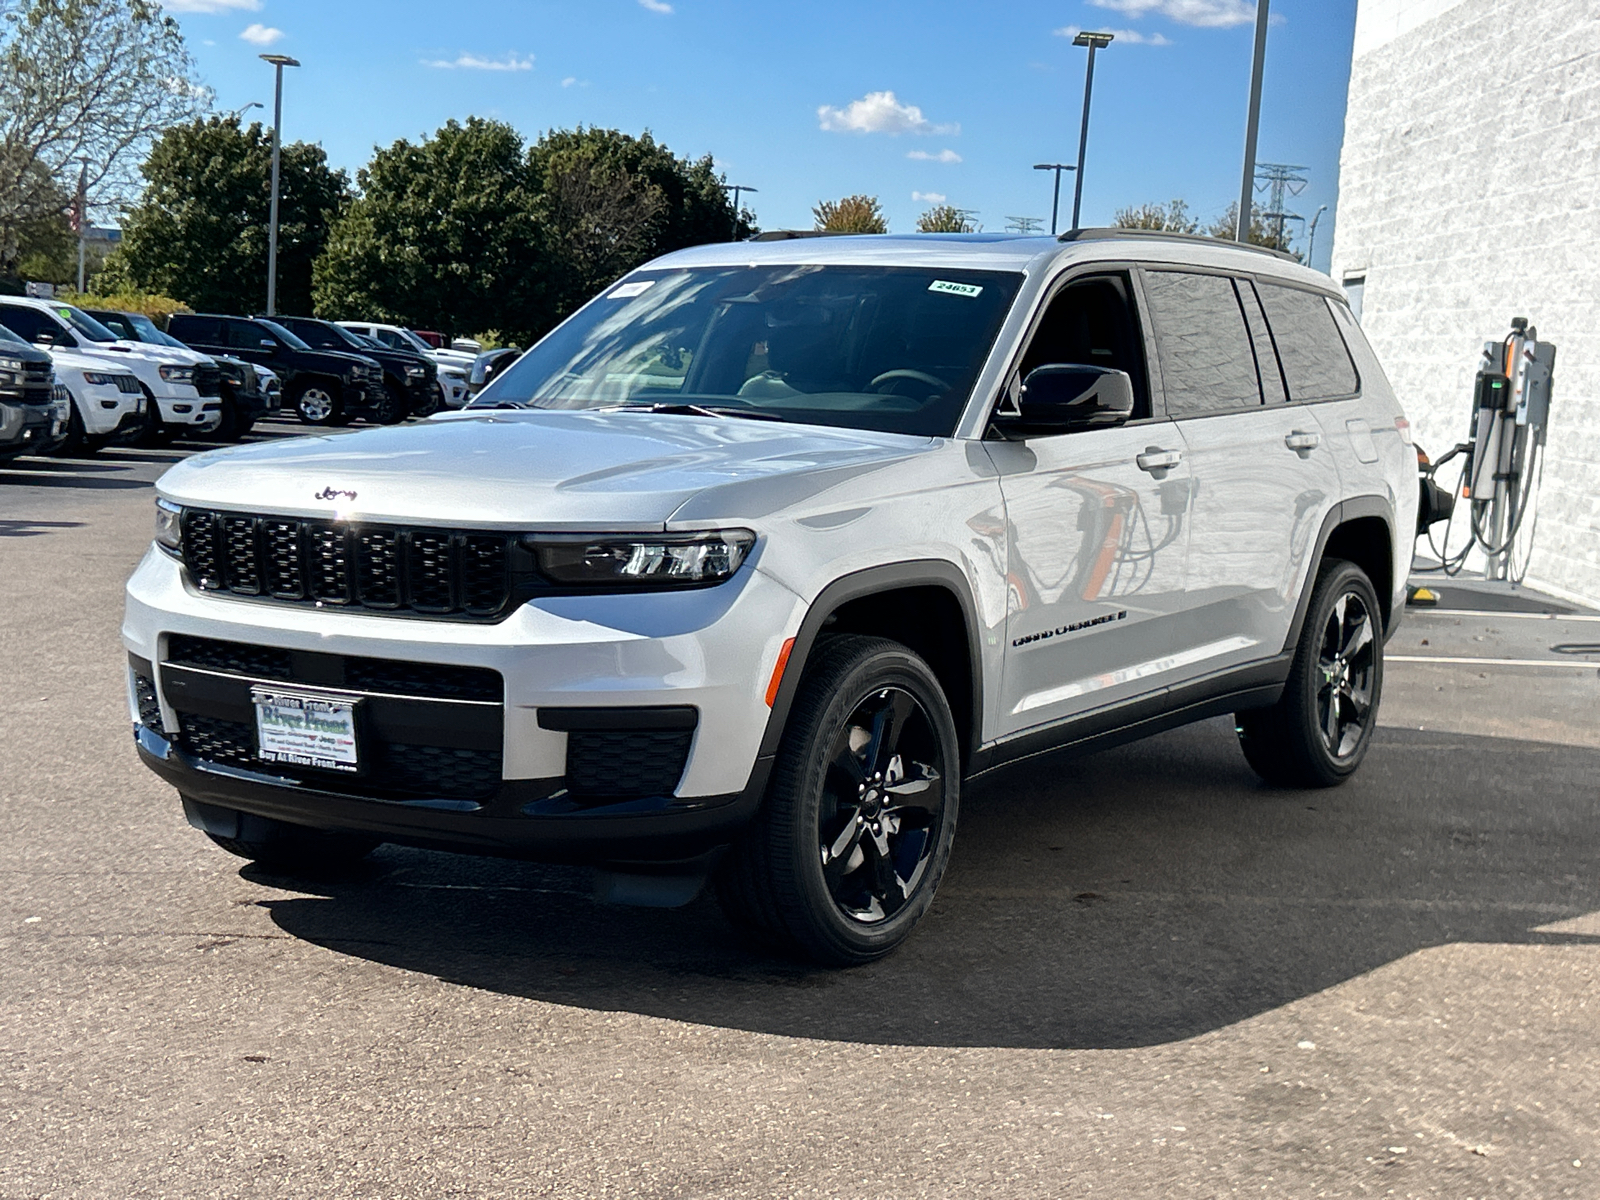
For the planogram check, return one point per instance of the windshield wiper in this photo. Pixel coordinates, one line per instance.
(683, 408)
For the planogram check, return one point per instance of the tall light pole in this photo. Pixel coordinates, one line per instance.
(279, 62)
(1095, 41)
(1252, 124)
(1055, 203)
(736, 188)
(1312, 248)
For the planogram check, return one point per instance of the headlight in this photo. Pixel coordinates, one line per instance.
(415, 372)
(98, 378)
(169, 527)
(176, 374)
(11, 364)
(455, 373)
(7, 379)
(665, 560)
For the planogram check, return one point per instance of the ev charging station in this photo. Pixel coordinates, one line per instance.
(1499, 480)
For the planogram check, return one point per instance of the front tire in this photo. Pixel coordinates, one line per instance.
(855, 832)
(315, 404)
(1320, 730)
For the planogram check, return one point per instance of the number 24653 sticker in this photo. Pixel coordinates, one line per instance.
(954, 289)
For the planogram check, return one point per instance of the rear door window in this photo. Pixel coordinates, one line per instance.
(1207, 361)
(1316, 364)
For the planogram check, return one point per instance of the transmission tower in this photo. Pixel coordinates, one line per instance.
(1024, 224)
(965, 215)
(1279, 180)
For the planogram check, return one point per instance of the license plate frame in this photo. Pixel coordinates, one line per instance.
(301, 728)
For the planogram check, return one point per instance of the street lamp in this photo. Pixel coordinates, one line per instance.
(736, 188)
(1055, 203)
(1312, 248)
(1252, 124)
(1094, 41)
(239, 112)
(279, 62)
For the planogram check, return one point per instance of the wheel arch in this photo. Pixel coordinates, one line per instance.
(915, 603)
(1360, 530)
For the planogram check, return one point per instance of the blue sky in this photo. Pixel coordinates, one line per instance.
(905, 100)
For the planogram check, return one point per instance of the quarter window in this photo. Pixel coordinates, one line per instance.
(1207, 364)
(1316, 365)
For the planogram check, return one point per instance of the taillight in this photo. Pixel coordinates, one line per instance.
(1403, 427)
(1423, 460)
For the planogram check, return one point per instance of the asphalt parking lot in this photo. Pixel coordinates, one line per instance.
(1147, 975)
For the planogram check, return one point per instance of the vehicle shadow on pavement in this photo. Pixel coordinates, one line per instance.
(1138, 896)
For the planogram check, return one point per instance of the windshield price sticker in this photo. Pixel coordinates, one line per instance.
(627, 291)
(306, 730)
(954, 289)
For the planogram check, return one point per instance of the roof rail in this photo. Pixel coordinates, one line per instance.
(1107, 233)
(785, 235)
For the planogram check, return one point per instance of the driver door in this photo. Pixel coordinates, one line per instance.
(1097, 528)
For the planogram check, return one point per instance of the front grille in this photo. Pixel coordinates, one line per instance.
(437, 572)
(128, 385)
(208, 379)
(144, 694)
(626, 762)
(393, 769)
(388, 675)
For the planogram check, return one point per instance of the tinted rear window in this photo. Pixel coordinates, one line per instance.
(1207, 364)
(1316, 365)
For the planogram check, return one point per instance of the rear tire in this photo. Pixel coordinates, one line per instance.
(845, 855)
(1320, 730)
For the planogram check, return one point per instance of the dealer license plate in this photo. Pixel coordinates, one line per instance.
(306, 730)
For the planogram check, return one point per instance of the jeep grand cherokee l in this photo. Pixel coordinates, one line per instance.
(755, 562)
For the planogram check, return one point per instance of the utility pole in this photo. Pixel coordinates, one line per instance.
(80, 219)
(279, 62)
(1094, 41)
(1055, 202)
(1252, 125)
(736, 188)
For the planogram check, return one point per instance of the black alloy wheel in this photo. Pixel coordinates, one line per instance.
(1320, 730)
(855, 831)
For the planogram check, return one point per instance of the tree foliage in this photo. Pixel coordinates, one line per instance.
(1172, 217)
(200, 230)
(945, 218)
(471, 229)
(84, 85)
(853, 214)
(1226, 228)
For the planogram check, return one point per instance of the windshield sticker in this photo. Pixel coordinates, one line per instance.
(954, 289)
(628, 291)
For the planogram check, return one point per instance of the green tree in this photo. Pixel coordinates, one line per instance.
(1226, 227)
(199, 233)
(610, 201)
(443, 235)
(84, 87)
(945, 218)
(1172, 217)
(853, 214)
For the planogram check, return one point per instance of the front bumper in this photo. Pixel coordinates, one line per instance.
(710, 650)
(186, 408)
(24, 428)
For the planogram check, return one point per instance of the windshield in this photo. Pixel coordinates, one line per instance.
(283, 335)
(147, 331)
(888, 348)
(83, 323)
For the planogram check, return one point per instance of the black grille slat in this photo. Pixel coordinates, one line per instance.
(236, 658)
(208, 379)
(144, 692)
(393, 676)
(434, 572)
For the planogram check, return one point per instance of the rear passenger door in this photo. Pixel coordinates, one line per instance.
(1264, 477)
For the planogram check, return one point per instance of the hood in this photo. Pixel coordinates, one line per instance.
(539, 470)
(153, 352)
(100, 358)
(335, 362)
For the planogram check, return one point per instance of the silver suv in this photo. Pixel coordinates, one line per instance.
(748, 568)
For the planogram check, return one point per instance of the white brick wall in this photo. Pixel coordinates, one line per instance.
(1469, 193)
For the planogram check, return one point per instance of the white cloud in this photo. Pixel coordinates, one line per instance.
(261, 35)
(1131, 36)
(878, 112)
(929, 197)
(944, 156)
(472, 62)
(657, 6)
(211, 6)
(1209, 14)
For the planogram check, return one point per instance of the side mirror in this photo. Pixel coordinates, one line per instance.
(268, 344)
(1062, 397)
(45, 338)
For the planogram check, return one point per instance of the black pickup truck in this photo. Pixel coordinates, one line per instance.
(325, 387)
(27, 381)
(412, 380)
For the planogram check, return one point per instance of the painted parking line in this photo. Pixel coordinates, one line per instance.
(1413, 611)
(1589, 665)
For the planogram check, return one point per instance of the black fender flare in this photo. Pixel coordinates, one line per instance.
(931, 572)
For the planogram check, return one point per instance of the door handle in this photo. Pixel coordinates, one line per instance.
(1302, 443)
(1158, 461)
